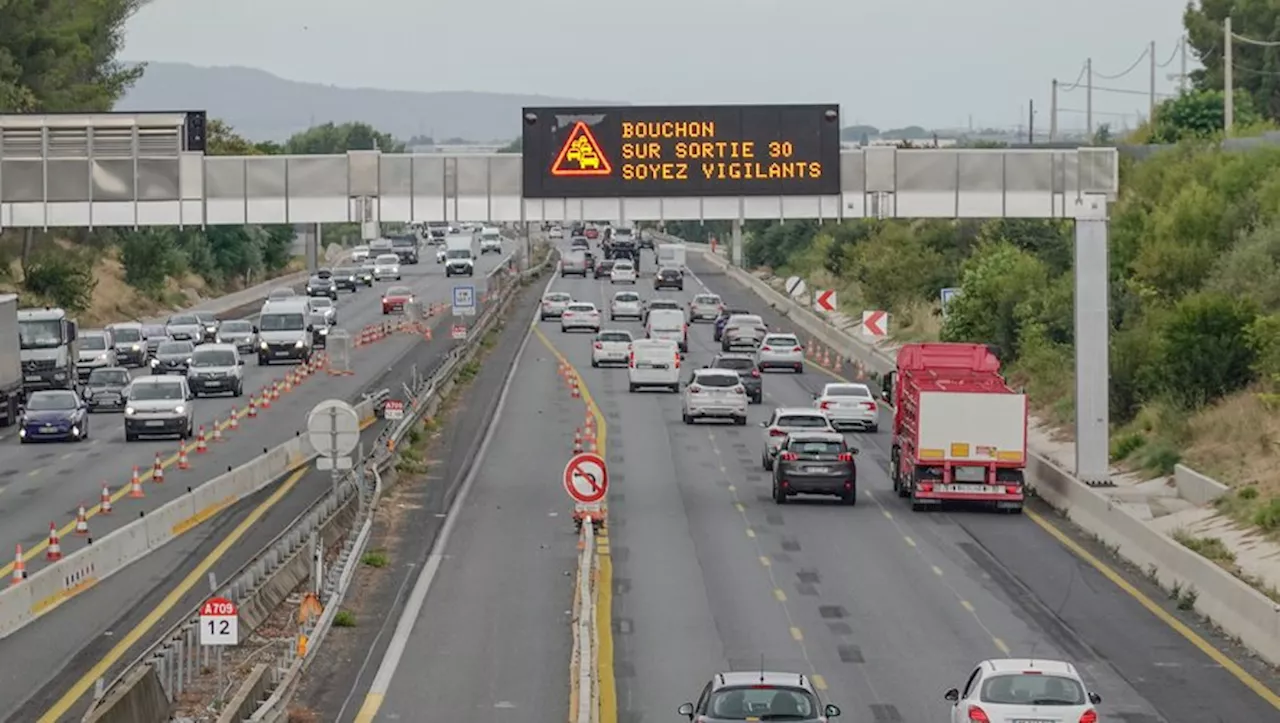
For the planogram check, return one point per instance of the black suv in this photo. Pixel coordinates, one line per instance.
(668, 279)
(347, 277)
(322, 284)
(745, 366)
(406, 247)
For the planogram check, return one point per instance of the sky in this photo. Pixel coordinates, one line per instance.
(935, 63)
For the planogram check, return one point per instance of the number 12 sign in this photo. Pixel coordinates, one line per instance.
(219, 622)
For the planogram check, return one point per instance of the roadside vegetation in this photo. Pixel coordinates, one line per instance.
(63, 59)
(1195, 288)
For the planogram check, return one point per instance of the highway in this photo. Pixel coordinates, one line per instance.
(43, 483)
(64, 642)
(885, 608)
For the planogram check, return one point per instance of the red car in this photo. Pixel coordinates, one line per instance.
(395, 299)
(592, 234)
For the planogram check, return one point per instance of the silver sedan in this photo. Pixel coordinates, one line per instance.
(780, 351)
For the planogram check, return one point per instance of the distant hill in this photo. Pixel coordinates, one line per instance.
(262, 106)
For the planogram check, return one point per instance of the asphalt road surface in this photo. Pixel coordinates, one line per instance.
(43, 483)
(63, 645)
(884, 607)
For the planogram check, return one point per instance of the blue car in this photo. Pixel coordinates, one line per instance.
(56, 415)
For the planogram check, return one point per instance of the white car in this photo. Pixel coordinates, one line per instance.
(359, 253)
(580, 315)
(849, 405)
(556, 232)
(716, 393)
(612, 346)
(780, 351)
(1019, 689)
(624, 272)
(653, 363)
(553, 305)
(441, 255)
(490, 241)
(626, 305)
(386, 266)
(784, 421)
(705, 307)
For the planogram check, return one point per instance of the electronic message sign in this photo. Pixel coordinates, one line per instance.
(752, 150)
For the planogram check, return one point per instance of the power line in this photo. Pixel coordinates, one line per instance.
(1176, 49)
(1258, 43)
(1254, 72)
(1084, 68)
(1128, 70)
(1126, 91)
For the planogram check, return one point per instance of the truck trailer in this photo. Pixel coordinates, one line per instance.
(959, 430)
(10, 361)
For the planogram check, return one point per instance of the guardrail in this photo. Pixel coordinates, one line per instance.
(146, 689)
(584, 663)
(1234, 606)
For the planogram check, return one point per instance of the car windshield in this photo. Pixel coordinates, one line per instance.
(183, 320)
(736, 364)
(52, 401)
(322, 303)
(581, 307)
(206, 317)
(627, 296)
(815, 446)
(388, 260)
(762, 703)
(705, 299)
(623, 266)
(93, 342)
(1034, 689)
(669, 273)
(782, 341)
(404, 242)
(746, 321)
(155, 390)
(345, 271)
(492, 234)
(320, 280)
(151, 332)
(614, 336)
(43, 334)
(236, 327)
(126, 335)
(214, 358)
(282, 322)
(712, 379)
(561, 298)
(847, 390)
(802, 421)
(175, 347)
(280, 293)
(108, 378)
(324, 273)
(459, 253)
(399, 291)
(663, 304)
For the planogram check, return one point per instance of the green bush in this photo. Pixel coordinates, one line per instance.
(1206, 350)
(61, 280)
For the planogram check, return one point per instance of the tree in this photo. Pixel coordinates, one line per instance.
(1199, 114)
(1255, 19)
(330, 138)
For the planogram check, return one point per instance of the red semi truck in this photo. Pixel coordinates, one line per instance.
(959, 431)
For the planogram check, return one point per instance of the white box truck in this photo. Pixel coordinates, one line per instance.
(460, 252)
(10, 361)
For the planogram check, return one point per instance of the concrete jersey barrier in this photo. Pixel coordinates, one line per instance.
(27, 601)
(1237, 608)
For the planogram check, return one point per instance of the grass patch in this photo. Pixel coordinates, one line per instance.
(375, 558)
(468, 372)
(344, 619)
(917, 321)
(1216, 551)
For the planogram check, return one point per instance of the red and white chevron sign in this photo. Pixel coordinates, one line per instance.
(825, 301)
(875, 323)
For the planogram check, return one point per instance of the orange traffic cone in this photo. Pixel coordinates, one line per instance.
(427, 335)
(591, 446)
(82, 522)
(217, 432)
(54, 550)
(202, 445)
(104, 504)
(275, 390)
(265, 395)
(233, 422)
(577, 441)
(157, 470)
(288, 382)
(135, 485)
(183, 462)
(253, 408)
(19, 567)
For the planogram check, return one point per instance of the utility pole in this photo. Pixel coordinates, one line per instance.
(1151, 93)
(1228, 80)
(1031, 122)
(1088, 98)
(1053, 113)
(1182, 78)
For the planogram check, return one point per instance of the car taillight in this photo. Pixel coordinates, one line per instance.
(694, 389)
(384, 299)
(1089, 717)
(599, 345)
(1012, 489)
(739, 389)
(755, 373)
(788, 456)
(777, 433)
(870, 406)
(766, 348)
(977, 715)
(824, 405)
(631, 360)
(845, 457)
(926, 487)
(677, 360)
(797, 348)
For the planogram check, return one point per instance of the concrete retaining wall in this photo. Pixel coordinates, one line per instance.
(141, 698)
(246, 699)
(1234, 606)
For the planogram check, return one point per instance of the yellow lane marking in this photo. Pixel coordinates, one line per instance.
(91, 512)
(910, 541)
(605, 678)
(966, 605)
(796, 635)
(764, 560)
(819, 682)
(937, 571)
(751, 532)
(1204, 646)
(779, 594)
(1252, 683)
(738, 506)
(195, 577)
(33, 473)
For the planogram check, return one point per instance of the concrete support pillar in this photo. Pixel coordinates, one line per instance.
(736, 248)
(1093, 331)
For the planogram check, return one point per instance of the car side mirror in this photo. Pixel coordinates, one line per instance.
(831, 711)
(190, 395)
(255, 329)
(1095, 698)
(311, 327)
(952, 695)
(764, 425)
(333, 321)
(884, 395)
(686, 710)
(241, 361)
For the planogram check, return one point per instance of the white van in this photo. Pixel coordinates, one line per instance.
(654, 363)
(668, 324)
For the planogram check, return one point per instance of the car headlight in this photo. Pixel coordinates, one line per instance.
(263, 346)
(135, 347)
(308, 289)
(210, 329)
(324, 332)
(154, 363)
(130, 411)
(217, 340)
(298, 344)
(179, 409)
(188, 361)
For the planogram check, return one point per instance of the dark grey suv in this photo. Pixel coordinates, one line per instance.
(745, 366)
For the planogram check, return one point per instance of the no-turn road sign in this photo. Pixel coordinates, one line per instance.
(586, 478)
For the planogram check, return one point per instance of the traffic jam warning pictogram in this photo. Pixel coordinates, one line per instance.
(581, 155)
(586, 478)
